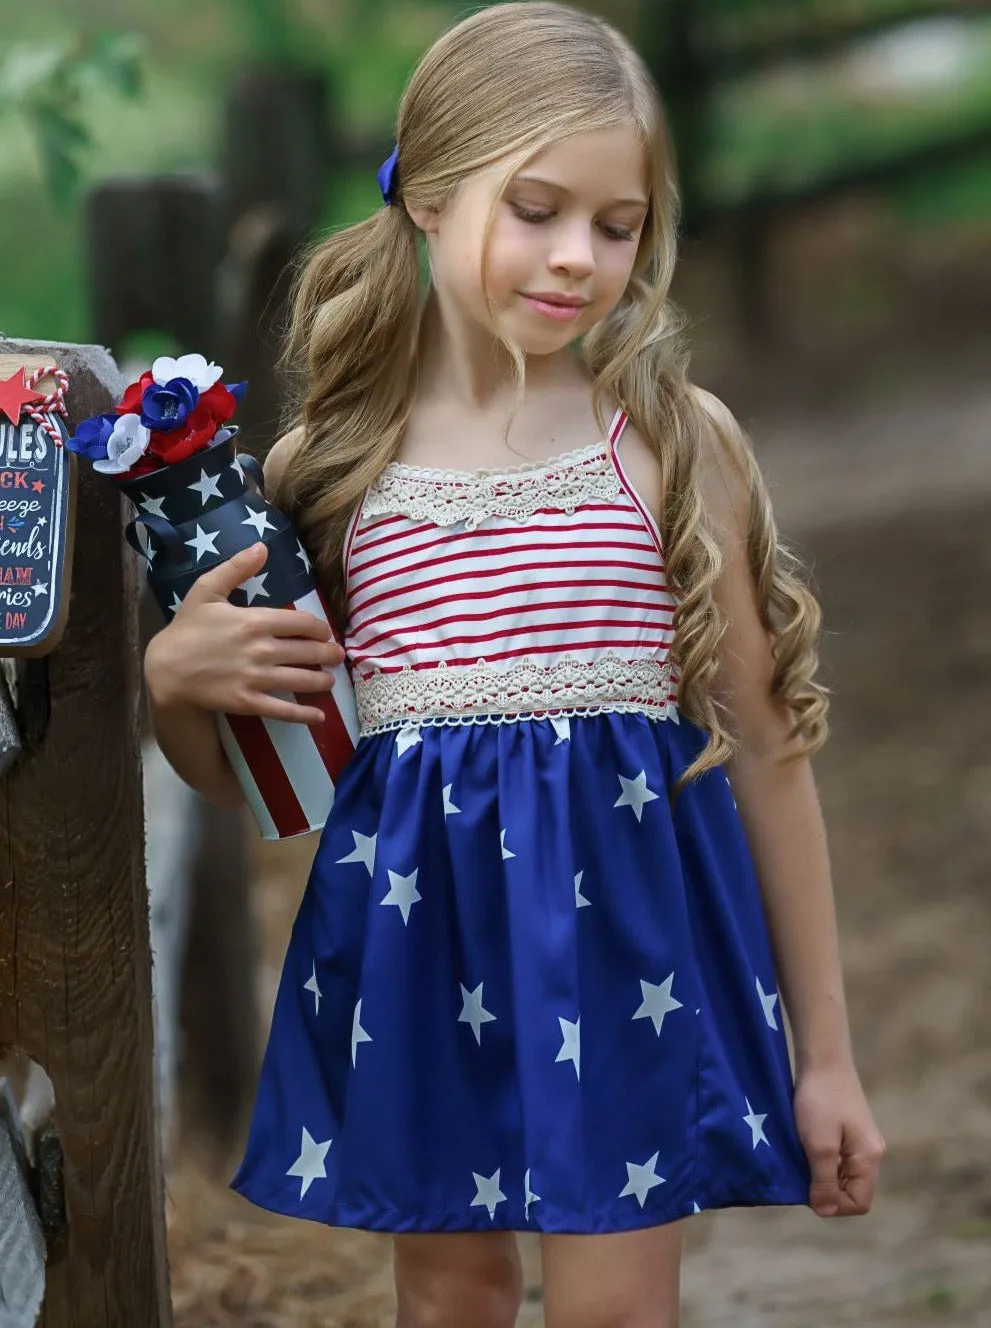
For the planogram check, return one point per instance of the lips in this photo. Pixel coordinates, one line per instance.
(563, 301)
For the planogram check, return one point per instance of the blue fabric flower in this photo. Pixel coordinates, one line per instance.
(90, 438)
(168, 407)
(237, 390)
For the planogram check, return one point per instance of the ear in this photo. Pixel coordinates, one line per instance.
(423, 218)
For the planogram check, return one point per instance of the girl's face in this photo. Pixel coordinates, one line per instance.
(563, 243)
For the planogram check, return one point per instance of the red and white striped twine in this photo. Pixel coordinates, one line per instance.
(54, 402)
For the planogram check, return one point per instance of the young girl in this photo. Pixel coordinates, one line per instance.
(534, 981)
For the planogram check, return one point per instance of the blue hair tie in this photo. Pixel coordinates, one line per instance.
(387, 177)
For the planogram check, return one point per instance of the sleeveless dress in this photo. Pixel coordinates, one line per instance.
(523, 991)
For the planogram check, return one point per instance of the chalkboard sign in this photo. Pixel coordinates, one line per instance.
(36, 522)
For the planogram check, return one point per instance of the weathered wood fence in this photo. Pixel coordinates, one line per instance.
(75, 984)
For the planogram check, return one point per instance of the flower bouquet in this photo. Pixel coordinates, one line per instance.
(169, 447)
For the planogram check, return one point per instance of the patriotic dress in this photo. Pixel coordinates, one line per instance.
(524, 990)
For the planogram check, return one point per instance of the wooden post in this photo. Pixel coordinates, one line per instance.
(75, 973)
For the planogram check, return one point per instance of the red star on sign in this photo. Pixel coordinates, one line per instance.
(15, 395)
(38, 486)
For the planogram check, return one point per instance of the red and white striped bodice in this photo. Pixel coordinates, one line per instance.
(535, 590)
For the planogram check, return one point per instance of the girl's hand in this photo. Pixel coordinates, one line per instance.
(214, 655)
(843, 1144)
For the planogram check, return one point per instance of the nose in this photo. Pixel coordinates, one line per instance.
(572, 249)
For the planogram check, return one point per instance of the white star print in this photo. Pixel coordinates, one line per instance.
(153, 505)
(259, 520)
(641, 1179)
(580, 900)
(635, 794)
(449, 807)
(312, 985)
(150, 552)
(255, 586)
(473, 1012)
(696, 1208)
(358, 1034)
(657, 1002)
(407, 738)
(488, 1193)
(562, 727)
(363, 851)
(176, 604)
(505, 851)
(207, 486)
(301, 555)
(571, 1044)
(531, 1198)
(768, 1000)
(202, 543)
(236, 466)
(403, 893)
(310, 1165)
(756, 1124)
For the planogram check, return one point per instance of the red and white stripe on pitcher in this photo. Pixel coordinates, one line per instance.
(289, 770)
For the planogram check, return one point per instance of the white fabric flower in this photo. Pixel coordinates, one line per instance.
(193, 368)
(126, 445)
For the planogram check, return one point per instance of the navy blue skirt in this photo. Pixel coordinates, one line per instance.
(524, 992)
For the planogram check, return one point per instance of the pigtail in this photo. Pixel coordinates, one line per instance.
(351, 346)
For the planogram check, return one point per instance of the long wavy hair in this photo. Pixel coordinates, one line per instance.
(501, 86)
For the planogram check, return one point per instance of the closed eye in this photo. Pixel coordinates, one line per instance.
(535, 218)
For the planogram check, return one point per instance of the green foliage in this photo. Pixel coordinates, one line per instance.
(48, 83)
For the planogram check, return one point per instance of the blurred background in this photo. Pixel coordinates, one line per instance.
(160, 165)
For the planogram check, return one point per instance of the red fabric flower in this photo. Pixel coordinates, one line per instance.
(131, 402)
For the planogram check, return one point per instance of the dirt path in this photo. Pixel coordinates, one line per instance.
(893, 508)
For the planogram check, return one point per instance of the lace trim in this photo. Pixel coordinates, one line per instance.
(450, 497)
(483, 692)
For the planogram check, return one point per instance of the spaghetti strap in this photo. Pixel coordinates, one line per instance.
(616, 430)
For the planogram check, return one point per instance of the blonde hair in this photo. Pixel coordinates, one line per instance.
(503, 85)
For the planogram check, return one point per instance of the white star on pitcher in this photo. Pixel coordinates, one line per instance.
(259, 520)
(502, 844)
(641, 1179)
(207, 486)
(756, 1124)
(580, 900)
(202, 542)
(488, 1193)
(176, 604)
(403, 893)
(768, 1000)
(358, 1034)
(657, 1002)
(236, 466)
(301, 555)
(153, 505)
(635, 794)
(255, 586)
(363, 851)
(473, 1012)
(449, 807)
(310, 1165)
(312, 985)
(571, 1044)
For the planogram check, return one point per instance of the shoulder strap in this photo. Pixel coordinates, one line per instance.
(616, 429)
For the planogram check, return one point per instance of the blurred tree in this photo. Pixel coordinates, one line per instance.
(47, 85)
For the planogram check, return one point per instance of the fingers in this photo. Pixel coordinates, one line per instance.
(225, 578)
(856, 1175)
(824, 1194)
(277, 707)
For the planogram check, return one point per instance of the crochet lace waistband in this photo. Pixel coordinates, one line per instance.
(524, 689)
